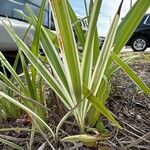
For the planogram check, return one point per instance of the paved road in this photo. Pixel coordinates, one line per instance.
(130, 50)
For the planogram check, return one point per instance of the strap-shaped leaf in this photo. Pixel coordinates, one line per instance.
(23, 107)
(96, 43)
(30, 86)
(131, 74)
(8, 82)
(36, 39)
(11, 144)
(77, 27)
(68, 47)
(105, 53)
(128, 25)
(50, 51)
(52, 82)
(87, 59)
(100, 107)
(13, 73)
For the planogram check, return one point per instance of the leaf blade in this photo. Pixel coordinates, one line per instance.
(131, 74)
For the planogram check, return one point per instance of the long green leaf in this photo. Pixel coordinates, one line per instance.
(15, 102)
(51, 33)
(87, 60)
(132, 19)
(27, 76)
(94, 49)
(36, 39)
(105, 53)
(131, 74)
(35, 43)
(114, 67)
(96, 45)
(11, 144)
(52, 82)
(100, 107)
(14, 74)
(8, 82)
(24, 97)
(77, 27)
(68, 47)
(128, 26)
(49, 49)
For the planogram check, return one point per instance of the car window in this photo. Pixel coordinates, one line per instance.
(147, 20)
(20, 2)
(35, 6)
(9, 7)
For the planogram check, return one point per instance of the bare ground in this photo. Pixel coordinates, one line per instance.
(132, 108)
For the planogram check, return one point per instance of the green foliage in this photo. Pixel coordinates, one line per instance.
(81, 81)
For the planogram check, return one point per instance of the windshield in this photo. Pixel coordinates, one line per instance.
(147, 20)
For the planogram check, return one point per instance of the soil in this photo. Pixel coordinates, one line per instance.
(126, 101)
(132, 107)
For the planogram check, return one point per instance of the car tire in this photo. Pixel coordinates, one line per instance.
(139, 43)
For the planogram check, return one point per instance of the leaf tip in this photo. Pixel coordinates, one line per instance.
(120, 6)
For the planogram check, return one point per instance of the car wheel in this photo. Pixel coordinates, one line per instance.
(139, 43)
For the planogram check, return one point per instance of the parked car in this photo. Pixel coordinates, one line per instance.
(8, 8)
(140, 39)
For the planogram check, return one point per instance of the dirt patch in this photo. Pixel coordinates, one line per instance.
(132, 107)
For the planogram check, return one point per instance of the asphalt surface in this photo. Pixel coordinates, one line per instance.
(128, 49)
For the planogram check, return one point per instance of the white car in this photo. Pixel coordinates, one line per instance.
(6, 43)
(8, 10)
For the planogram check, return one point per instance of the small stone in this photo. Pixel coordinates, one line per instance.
(120, 115)
(138, 117)
(131, 112)
(149, 106)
